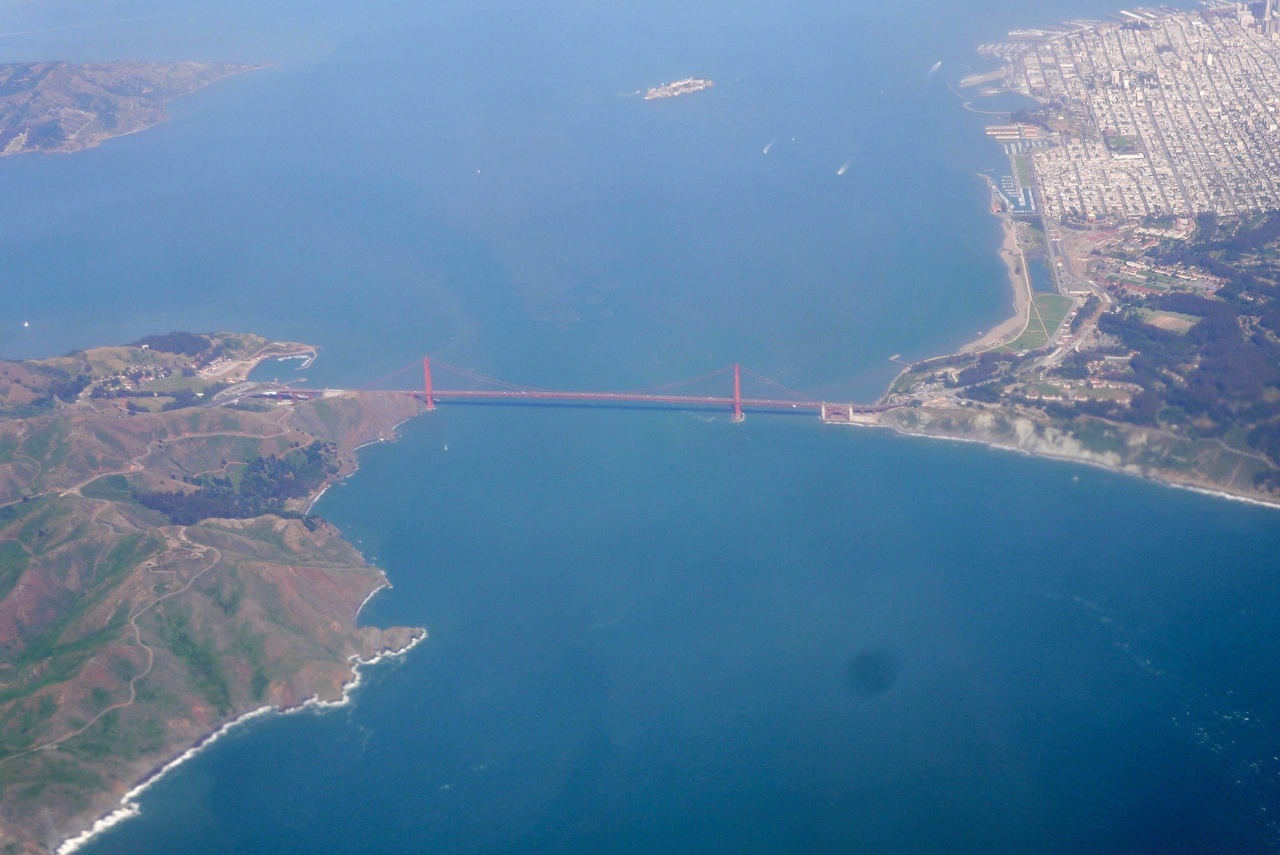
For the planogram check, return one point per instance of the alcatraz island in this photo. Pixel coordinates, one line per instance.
(160, 571)
(1141, 211)
(679, 87)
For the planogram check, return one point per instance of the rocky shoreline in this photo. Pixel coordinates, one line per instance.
(131, 639)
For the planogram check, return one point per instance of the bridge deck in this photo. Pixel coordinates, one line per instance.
(516, 394)
(622, 397)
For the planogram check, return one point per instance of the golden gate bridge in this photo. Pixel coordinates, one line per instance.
(777, 398)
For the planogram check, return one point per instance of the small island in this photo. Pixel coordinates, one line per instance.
(161, 572)
(61, 107)
(679, 87)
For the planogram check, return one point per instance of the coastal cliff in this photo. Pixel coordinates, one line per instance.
(1204, 464)
(134, 620)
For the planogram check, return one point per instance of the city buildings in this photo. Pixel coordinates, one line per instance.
(1160, 114)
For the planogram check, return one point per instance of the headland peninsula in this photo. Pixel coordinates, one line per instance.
(161, 574)
(62, 107)
(1142, 239)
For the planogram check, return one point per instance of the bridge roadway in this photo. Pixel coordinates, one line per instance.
(430, 394)
(827, 410)
(627, 398)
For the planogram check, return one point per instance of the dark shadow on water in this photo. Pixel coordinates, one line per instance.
(873, 672)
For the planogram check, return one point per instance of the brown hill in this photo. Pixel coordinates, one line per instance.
(125, 637)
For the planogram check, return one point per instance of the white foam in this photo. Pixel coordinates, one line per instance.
(318, 497)
(128, 802)
(395, 435)
(357, 670)
(366, 600)
(116, 816)
(1096, 464)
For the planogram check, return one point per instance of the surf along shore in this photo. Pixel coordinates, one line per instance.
(129, 806)
(322, 581)
(205, 591)
(932, 410)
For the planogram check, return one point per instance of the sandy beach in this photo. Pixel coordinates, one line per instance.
(1015, 263)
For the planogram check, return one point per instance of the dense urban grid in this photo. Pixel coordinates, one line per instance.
(1141, 218)
(1161, 114)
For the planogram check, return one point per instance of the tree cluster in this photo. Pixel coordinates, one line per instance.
(1086, 311)
(182, 343)
(1214, 378)
(264, 486)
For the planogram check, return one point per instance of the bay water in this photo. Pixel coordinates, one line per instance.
(657, 631)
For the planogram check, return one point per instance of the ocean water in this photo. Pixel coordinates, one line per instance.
(772, 637)
(657, 631)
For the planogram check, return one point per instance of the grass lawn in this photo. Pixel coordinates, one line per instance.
(1172, 321)
(1024, 172)
(1047, 314)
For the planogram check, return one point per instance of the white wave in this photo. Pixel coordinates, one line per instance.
(128, 802)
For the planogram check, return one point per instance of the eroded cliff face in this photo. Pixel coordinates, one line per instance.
(1150, 453)
(124, 638)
